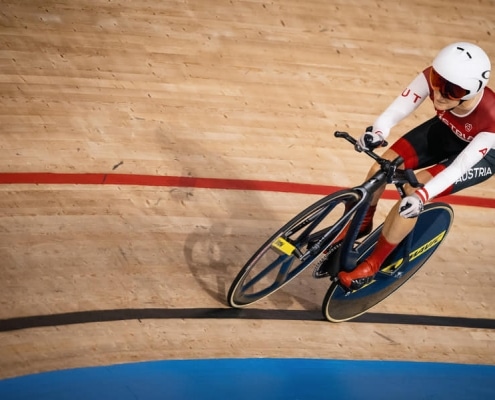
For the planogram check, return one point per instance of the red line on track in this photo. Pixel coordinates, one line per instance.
(39, 178)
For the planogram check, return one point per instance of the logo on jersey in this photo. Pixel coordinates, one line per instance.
(407, 92)
(468, 127)
(457, 131)
(474, 173)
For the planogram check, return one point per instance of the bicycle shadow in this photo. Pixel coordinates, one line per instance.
(214, 262)
(214, 254)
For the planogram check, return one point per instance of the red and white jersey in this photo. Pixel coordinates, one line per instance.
(477, 128)
(480, 119)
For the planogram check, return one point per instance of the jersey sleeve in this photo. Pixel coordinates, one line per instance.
(409, 100)
(474, 152)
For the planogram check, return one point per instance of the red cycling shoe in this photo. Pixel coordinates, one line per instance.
(359, 276)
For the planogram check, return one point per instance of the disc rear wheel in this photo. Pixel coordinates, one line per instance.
(409, 256)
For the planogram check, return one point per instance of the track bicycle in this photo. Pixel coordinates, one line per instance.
(310, 238)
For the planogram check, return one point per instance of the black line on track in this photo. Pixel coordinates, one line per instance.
(84, 317)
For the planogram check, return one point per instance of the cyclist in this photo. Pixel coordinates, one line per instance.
(454, 150)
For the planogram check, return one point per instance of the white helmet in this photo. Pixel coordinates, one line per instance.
(465, 65)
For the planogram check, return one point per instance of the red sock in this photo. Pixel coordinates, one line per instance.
(381, 251)
(368, 218)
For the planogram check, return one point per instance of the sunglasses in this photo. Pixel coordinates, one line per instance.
(447, 89)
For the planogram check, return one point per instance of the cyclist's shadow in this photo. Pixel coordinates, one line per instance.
(215, 252)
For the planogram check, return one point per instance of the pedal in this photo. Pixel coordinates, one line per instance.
(360, 283)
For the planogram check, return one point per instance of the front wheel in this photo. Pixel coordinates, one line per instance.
(269, 269)
(409, 256)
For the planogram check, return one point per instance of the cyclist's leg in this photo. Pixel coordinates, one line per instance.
(395, 229)
(425, 145)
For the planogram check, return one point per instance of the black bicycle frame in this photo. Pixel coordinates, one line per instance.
(388, 173)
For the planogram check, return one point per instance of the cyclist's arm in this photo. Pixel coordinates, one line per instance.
(410, 99)
(474, 152)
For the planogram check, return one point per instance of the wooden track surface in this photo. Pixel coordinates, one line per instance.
(242, 90)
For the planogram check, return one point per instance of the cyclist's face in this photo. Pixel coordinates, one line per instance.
(443, 103)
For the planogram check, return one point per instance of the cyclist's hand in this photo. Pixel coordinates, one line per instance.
(369, 140)
(410, 206)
